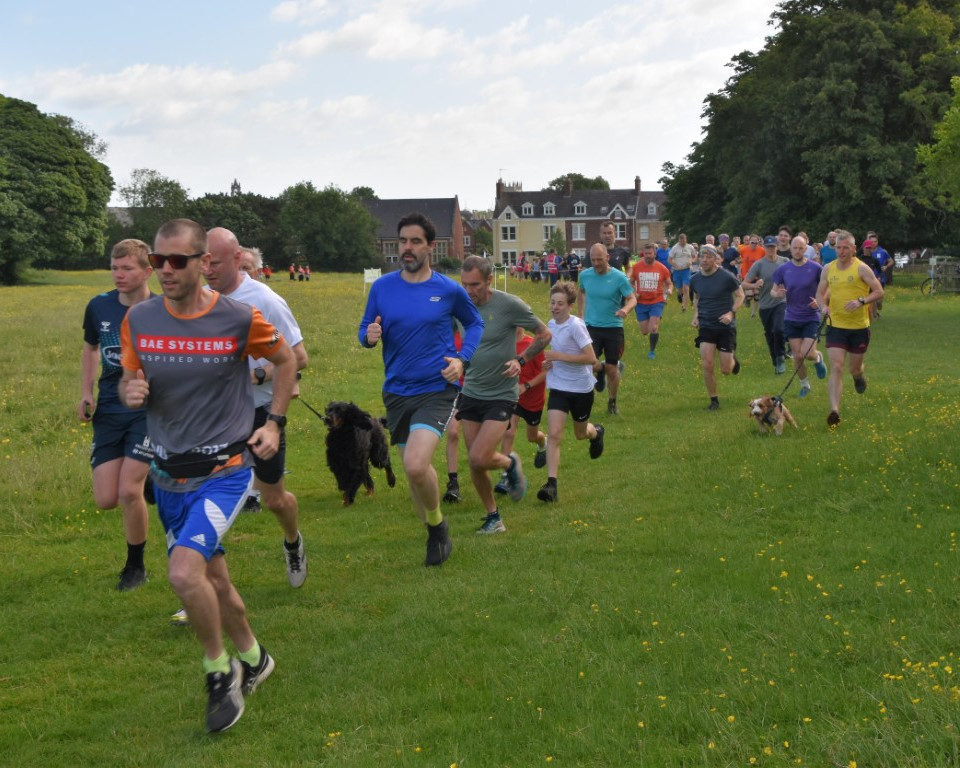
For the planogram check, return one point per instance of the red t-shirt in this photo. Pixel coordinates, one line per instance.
(648, 282)
(534, 398)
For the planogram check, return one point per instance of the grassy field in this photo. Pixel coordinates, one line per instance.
(700, 596)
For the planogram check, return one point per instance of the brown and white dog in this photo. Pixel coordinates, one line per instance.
(770, 413)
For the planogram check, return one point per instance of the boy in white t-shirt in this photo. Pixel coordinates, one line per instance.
(569, 366)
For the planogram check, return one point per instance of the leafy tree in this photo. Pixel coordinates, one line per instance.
(579, 182)
(557, 242)
(363, 193)
(53, 193)
(153, 199)
(231, 211)
(484, 240)
(941, 159)
(820, 128)
(327, 229)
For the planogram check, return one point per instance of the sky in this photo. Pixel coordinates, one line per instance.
(412, 98)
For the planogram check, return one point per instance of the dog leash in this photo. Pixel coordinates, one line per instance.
(311, 408)
(778, 400)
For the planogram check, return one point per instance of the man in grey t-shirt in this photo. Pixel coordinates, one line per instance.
(772, 307)
(490, 387)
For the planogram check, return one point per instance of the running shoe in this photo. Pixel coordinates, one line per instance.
(780, 367)
(620, 367)
(502, 487)
(860, 384)
(439, 543)
(252, 503)
(253, 676)
(452, 495)
(736, 366)
(296, 562)
(131, 578)
(833, 418)
(714, 405)
(651, 355)
(540, 458)
(547, 492)
(180, 618)
(612, 408)
(225, 704)
(819, 367)
(596, 444)
(601, 379)
(516, 482)
(804, 389)
(492, 523)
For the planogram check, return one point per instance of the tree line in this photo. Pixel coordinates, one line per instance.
(836, 122)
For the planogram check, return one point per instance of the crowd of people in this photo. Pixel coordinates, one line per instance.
(194, 383)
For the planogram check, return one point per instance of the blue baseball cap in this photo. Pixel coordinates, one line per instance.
(770, 240)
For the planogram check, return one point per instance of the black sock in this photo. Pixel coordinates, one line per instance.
(654, 338)
(714, 399)
(452, 477)
(552, 482)
(135, 555)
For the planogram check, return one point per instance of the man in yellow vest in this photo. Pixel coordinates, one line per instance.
(847, 286)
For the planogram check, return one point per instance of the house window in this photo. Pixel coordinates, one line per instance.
(621, 231)
(509, 258)
(508, 234)
(508, 215)
(527, 209)
(581, 252)
(440, 250)
(390, 248)
(644, 233)
(548, 230)
(466, 241)
(578, 231)
(580, 209)
(549, 209)
(652, 209)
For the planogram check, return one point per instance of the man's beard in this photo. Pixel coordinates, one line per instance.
(413, 266)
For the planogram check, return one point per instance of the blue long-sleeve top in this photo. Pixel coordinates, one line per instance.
(417, 322)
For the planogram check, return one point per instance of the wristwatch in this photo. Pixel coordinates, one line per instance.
(862, 300)
(522, 360)
(281, 421)
(466, 363)
(260, 374)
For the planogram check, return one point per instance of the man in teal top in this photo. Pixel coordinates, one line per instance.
(605, 298)
(490, 388)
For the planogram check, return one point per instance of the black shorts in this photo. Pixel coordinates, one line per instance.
(577, 404)
(533, 418)
(607, 343)
(431, 410)
(725, 339)
(854, 340)
(119, 436)
(269, 471)
(472, 409)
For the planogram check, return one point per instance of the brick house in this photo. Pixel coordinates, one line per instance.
(444, 212)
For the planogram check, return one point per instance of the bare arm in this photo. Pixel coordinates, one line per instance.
(89, 360)
(586, 356)
(266, 440)
(541, 339)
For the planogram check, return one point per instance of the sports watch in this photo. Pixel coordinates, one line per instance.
(281, 421)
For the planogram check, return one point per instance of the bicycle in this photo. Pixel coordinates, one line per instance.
(944, 278)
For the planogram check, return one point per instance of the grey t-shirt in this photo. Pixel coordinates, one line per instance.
(765, 270)
(498, 345)
(714, 294)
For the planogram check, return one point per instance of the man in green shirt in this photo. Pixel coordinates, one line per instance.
(490, 387)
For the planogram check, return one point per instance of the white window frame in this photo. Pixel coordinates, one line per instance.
(578, 231)
(621, 230)
(549, 209)
(644, 233)
(526, 209)
(580, 209)
(651, 209)
(508, 233)
(509, 258)
(548, 230)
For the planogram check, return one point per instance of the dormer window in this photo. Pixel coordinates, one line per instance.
(527, 209)
(580, 209)
(652, 209)
(549, 209)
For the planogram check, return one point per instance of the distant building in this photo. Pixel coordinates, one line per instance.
(524, 221)
(444, 212)
(471, 224)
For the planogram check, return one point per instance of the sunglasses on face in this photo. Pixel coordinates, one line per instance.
(177, 260)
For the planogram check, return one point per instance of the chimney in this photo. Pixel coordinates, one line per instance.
(567, 188)
(636, 185)
(499, 188)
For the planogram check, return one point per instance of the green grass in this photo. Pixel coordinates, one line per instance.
(701, 595)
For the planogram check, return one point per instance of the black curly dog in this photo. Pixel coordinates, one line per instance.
(354, 441)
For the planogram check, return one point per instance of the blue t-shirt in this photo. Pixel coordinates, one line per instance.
(827, 254)
(604, 296)
(101, 327)
(416, 319)
(663, 256)
(801, 283)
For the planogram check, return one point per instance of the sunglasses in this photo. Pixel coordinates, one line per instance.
(177, 260)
